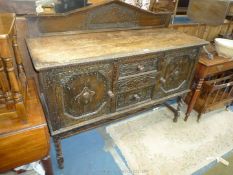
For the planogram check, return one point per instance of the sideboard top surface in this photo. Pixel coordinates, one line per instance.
(53, 51)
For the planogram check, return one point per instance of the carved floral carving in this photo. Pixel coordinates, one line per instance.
(85, 96)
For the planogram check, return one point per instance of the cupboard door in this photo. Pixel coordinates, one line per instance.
(176, 72)
(77, 94)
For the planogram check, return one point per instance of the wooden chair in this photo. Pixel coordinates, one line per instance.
(13, 84)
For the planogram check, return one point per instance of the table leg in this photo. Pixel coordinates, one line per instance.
(194, 98)
(46, 162)
(60, 159)
(199, 117)
(179, 100)
(175, 111)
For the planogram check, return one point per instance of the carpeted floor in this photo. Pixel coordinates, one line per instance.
(151, 144)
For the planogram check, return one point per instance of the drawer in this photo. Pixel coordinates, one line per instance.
(138, 65)
(135, 82)
(133, 97)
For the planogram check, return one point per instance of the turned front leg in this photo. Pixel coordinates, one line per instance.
(175, 111)
(177, 114)
(194, 98)
(59, 155)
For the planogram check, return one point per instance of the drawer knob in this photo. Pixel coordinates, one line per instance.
(162, 80)
(111, 94)
(140, 67)
(136, 97)
(176, 72)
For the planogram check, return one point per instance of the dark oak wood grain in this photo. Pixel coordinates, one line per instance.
(90, 78)
(105, 15)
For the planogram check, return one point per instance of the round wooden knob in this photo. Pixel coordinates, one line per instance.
(86, 97)
(136, 97)
(162, 80)
(140, 67)
(111, 94)
(176, 72)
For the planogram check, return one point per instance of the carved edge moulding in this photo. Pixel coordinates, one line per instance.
(110, 15)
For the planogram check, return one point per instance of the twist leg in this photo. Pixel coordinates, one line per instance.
(177, 114)
(60, 159)
(199, 117)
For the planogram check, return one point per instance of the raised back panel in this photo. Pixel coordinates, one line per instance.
(112, 14)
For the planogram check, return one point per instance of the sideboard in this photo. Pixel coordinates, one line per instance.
(105, 62)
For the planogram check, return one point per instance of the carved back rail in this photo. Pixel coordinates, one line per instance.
(113, 14)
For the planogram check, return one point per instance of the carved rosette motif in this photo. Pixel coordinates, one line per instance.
(85, 96)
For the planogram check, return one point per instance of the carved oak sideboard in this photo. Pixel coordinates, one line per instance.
(105, 62)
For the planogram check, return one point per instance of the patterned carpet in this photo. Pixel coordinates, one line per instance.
(151, 144)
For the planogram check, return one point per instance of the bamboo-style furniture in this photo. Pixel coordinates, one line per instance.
(212, 85)
(13, 84)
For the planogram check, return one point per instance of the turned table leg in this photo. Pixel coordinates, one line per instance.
(46, 162)
(175, 111)
(199, 117)
(60, 159)
(194, 98)
(179, 100)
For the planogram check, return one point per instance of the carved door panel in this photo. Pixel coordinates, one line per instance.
(81, 94)
(176, 72)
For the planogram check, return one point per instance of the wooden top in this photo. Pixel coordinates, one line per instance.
(53, 51)
(216, 61)
(35, 113)
(6, 23)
